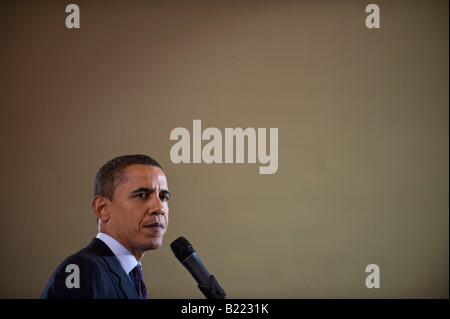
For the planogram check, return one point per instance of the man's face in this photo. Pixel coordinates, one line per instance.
(139, 209)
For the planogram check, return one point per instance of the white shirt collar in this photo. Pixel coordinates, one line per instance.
(126, 258)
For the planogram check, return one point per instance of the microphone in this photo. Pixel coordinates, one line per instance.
(187, 256)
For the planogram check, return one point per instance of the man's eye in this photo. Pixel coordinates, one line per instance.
(142, 195)
(164, 197)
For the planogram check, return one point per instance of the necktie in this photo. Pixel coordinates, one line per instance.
(139, 284)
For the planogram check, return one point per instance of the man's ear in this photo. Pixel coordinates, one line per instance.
(99, 207)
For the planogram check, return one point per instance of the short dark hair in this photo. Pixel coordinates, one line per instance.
(111, 175)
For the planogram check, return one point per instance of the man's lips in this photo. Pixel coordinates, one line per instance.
(155, 225)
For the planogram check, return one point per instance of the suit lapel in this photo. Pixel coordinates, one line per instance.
(114, 265)
(125, 283)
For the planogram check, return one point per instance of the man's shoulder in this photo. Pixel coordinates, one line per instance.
(91, 253)
(87, 256)
(80, 275)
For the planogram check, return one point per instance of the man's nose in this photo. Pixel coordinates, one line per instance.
(157, 207)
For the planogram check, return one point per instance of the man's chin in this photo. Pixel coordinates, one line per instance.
(153, 244)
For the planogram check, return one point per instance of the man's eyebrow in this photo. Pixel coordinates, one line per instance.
(143, 190)
(149, 190)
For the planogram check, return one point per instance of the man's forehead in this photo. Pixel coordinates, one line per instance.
(139, 174)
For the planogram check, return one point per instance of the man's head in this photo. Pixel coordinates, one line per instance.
(131, 202)
(111, 174)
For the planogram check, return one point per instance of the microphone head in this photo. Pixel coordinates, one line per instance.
(182, 248)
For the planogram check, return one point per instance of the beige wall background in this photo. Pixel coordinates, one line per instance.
(363, 120)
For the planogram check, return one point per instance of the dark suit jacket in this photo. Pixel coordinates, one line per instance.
(100, 276)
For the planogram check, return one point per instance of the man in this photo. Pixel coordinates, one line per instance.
(131, 204)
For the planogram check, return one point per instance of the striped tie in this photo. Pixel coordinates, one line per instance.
(139, 283)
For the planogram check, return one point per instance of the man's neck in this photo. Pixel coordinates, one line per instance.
(138, 254)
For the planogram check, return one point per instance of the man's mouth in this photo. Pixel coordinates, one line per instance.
(155, 225)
